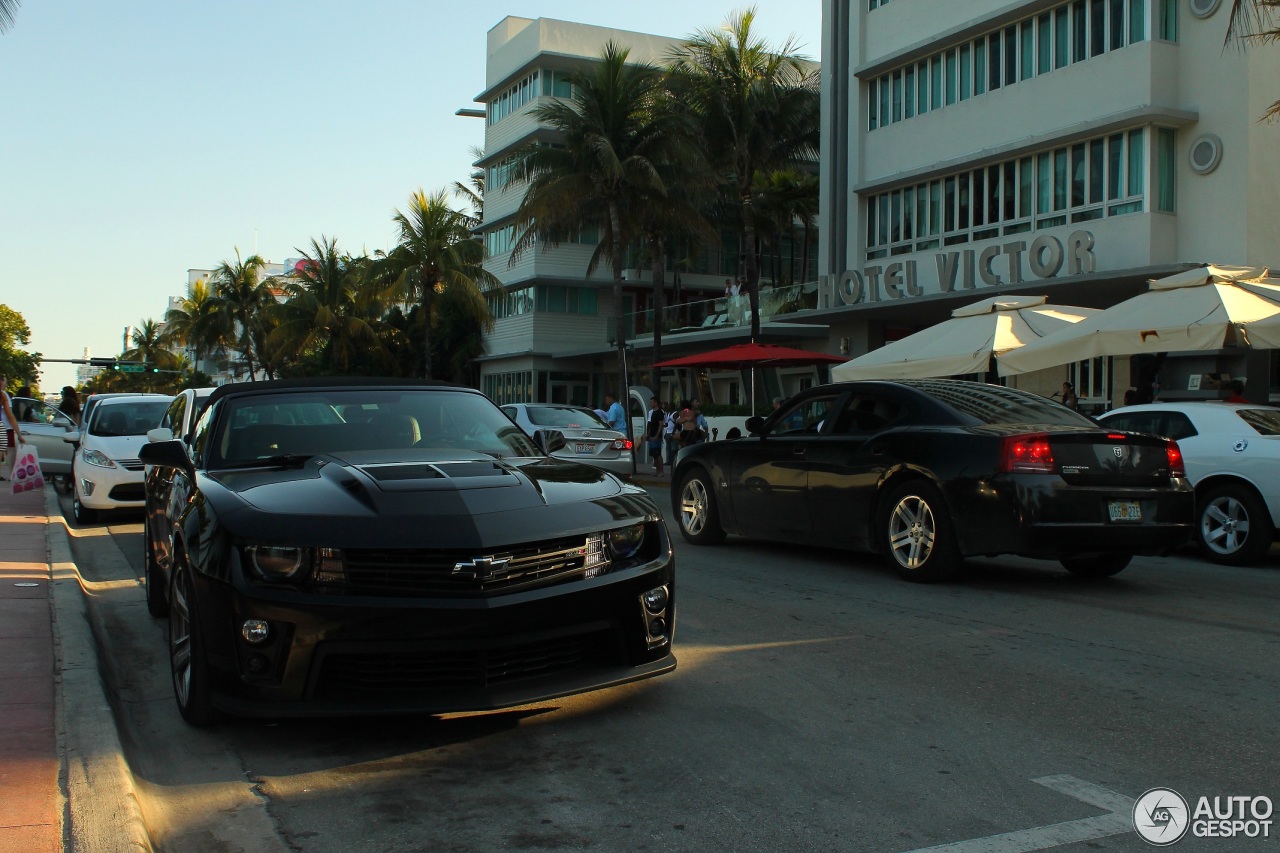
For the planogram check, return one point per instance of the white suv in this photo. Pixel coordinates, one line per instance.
(105, 468)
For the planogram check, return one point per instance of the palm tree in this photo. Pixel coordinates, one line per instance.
(612, 139)
(326, 310)
(148, 346)
(1255, 21)
(243, 299)
(759, 110)
(197, 323)
(473, 191)
(436, 252)
(8, 11)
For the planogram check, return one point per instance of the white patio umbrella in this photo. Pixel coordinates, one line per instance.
(1197, 309)
(965, 343)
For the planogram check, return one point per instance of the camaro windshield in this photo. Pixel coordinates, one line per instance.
(301, 424)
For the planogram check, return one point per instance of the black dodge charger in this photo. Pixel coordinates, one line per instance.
(364, 546)
(928, 472)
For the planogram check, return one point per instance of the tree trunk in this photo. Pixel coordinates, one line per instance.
(749, 252)
(619, 329)
(658, 248)
(428, 294)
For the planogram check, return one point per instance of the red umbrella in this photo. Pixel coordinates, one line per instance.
(740, 356)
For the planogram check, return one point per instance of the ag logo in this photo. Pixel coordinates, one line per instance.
(1161, 816)
(1240, 445)
(1118, 451)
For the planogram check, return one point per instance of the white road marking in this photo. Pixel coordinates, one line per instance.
(1118, 821)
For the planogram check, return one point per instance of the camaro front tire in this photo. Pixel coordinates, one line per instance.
(187, 661)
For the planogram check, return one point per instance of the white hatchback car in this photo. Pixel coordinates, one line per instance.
(1232, 454)
(106, 469)
(587, 438)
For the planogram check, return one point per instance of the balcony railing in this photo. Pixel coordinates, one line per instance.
(721, 312)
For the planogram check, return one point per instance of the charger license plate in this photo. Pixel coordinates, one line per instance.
(1125, 510)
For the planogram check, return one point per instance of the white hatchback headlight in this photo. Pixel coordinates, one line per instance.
(97, 457)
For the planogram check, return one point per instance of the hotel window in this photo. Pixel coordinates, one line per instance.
(1010, 55)
(1028, 66)
(1044, 42)
(1073, 31)
(1168, 20)
(1094, 179)
(993, 61)
(1137, 20)
(951, 77)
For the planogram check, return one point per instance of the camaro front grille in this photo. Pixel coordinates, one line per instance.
(461, 669)
(423, 572)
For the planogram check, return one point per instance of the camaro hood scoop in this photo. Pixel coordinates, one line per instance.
(393, 476)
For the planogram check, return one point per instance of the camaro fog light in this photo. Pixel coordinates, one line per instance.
(655, 600)
(658, 628)
(275, 563)
(626, 541)
(255, 630)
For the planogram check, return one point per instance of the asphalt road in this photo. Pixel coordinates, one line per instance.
(819, 704)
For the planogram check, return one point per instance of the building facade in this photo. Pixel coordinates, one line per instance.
(1073, 148)
(553, 336)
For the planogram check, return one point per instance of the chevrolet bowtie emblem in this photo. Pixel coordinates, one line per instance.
(481, 568)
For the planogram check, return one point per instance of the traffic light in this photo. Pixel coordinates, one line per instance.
(108, 363)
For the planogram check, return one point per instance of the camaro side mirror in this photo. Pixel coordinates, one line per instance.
(167, 454)
(549, 440)
(755, 425)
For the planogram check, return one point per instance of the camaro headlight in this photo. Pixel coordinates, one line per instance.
(625, 542)
(97, 457)
(275, 562)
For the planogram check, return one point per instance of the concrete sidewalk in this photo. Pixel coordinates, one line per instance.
(64, 783)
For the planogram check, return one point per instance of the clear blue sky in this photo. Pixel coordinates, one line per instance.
(141, 139)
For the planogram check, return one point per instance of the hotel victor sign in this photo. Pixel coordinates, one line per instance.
(964, 269)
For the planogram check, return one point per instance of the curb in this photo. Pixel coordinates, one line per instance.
(102, 811)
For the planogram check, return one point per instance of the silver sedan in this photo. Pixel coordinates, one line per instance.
(587, 438)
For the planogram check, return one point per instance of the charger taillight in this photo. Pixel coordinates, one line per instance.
(1177, 468)
(1027, 454)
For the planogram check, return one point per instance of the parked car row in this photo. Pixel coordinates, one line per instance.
(361, 546)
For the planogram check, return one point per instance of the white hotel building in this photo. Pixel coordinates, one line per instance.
(1072, 148)
(551, 340)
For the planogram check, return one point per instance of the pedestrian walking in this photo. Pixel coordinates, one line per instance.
(654, 434)
(671, 433)
(8, 430)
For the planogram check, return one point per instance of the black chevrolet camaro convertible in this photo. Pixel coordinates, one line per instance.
(928, 472)
(364, 546)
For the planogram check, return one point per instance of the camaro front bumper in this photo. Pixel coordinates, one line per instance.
(331, 654)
